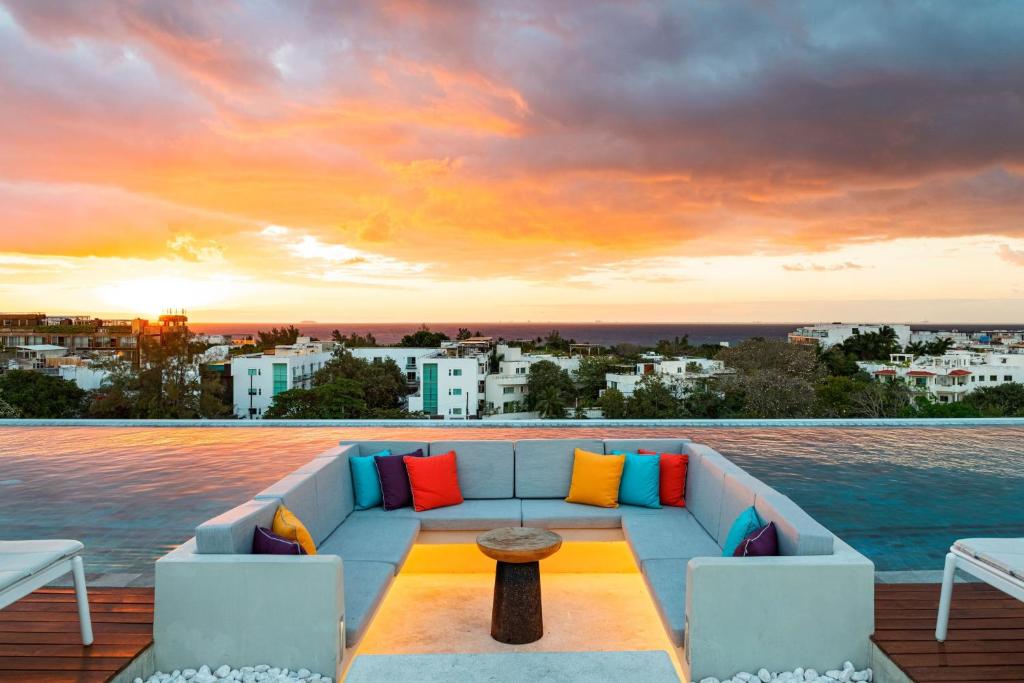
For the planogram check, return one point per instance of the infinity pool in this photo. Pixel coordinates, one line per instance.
(899, 495)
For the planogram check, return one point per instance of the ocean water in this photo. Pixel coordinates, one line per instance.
(900, 496)
(607, 334)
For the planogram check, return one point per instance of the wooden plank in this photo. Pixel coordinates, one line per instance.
(61, 664)
(960, 634)
(962, 659)
(71, 627)
(48, 650)
(977, 624)
(97, 617)
(95, 608)
(54, 676)
(36, 638)
(980, 673)
(951, 646)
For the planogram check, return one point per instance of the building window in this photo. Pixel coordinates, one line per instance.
(1007, 378)
(520, 371)
(457, 372)
(991, 378)
(455, 392)
(508, 390)
(456, 411)
(280, 378)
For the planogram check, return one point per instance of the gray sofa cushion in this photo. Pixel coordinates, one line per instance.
(633, 445)
(396, 447)
(372, 539)
(544, 466)
(675, 536)
(738, 493)
(298, 493)
(231, 532)
(557, 514)
(799, 533)
(334, 495)
(705, 480)
(666, 579)
(471, 515)
(366, 584)
(486, 468)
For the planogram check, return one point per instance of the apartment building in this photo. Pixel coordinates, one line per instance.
(506, 390)
(680, 373)
(947, 378)
(406, 358)
(827, 335)
(258, 377)
(450, 388)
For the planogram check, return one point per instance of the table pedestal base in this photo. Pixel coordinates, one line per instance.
(516, 617)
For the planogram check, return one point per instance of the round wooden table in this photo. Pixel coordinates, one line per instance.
(516, 616)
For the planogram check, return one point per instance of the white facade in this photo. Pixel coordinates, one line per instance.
(827, 335)
(680, 373)
(947, 378)
(87, 378)
(449, 388)
(258, 377)
(505, 392)
(407, 359)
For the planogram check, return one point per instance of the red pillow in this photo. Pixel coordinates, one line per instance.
(672, 477)
(434, 481)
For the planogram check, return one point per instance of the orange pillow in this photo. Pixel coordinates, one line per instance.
(287, 525)
(671, 477)
(434, 481)
(595, 479)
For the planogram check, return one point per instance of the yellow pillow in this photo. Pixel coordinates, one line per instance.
(287, 525)
(595, 479)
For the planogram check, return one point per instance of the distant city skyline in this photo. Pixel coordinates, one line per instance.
(622, 162)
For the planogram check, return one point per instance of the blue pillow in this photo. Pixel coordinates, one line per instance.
(746, 522)
(365, 484)
(641, 480)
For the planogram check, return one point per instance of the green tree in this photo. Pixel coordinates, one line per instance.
(1001, 400)
(796, 360)
(838, 362)
(118, 395)
(423, 338)
(678, 346)
(382, 382)
(338, 399)
(549, 402)
(555, 342)
(590, 376)
(7, 411)
(837, 396)
(924, 406)
(277, 337)
(35, 395)
(872, 345)
(354, 340)
(612, 404)
(712, 402)
(543, 375)
(654, 398)
(770, 394)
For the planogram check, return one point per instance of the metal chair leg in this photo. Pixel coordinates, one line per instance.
(85, 621)
(945, 598)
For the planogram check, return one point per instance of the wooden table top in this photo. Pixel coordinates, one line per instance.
(518, 544)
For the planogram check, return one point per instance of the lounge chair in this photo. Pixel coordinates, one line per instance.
(998, 562)
(28, 565)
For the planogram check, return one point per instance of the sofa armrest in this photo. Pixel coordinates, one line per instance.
(744, 613)
(249, 609)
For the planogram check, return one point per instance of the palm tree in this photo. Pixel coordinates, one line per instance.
(549, 403)
(916, 348)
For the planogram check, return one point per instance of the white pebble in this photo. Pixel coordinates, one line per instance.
(810, 675)
(709, 679)
(764, 675)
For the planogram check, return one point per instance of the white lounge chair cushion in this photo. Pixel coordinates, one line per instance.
(21, 559)
(1003, 554)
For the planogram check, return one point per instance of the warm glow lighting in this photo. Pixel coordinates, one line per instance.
(151, 296)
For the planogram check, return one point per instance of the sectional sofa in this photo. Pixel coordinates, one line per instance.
(811, 606)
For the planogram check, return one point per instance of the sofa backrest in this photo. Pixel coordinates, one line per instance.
(717, 491)
(396, 447)
(230, 533)
(486, 468)
(634, 445)
(544, 466)
(334, 495)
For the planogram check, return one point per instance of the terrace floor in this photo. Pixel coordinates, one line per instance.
(985, 640)
(40, 640)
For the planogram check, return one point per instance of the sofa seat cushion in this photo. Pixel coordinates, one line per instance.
(366, 584)
(470, 515)
(547, 513)
(676, 536)
(372, 539)
(666, 579)
(22, 559)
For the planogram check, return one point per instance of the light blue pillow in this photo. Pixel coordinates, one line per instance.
(641, 477)
(365, 483)
(746, 521)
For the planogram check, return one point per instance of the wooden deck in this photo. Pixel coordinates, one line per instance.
(40, 640)
(985, 640)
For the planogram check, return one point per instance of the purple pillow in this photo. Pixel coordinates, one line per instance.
(394, 479)
(761, 542)
(266, 542)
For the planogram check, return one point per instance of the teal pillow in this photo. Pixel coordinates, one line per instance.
(365, 483)
(641, 480)
(747, 521)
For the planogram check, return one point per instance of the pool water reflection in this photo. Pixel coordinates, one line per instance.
(900, 496)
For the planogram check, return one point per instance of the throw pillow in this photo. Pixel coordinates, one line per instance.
(394, 479)
(266, 542)
(595, 479)
(746, 521)
(640, 480)
(434, 481)
(288, 526)
(761, 542)
(365, 484)
(672, 482)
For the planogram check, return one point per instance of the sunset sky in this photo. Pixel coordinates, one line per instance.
(512, 161)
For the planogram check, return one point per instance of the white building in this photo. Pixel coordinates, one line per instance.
(85, 376)
(406, 358)
(505, 391)
(450, 388)
(947, 378)
(827, 335)
(258, 377)
(680, 373)
(36, 356)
